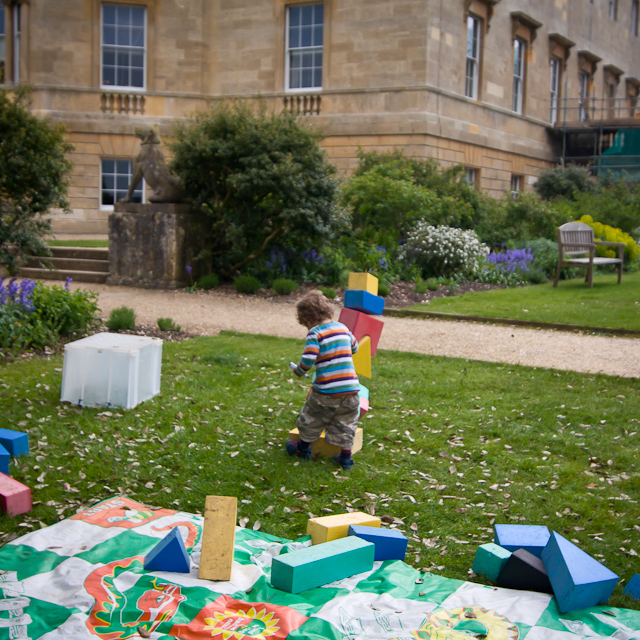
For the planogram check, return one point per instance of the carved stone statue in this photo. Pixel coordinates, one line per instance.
(150, 165)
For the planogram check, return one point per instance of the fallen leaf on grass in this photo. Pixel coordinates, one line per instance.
(256, 525)
(243, 522)
(143, 632)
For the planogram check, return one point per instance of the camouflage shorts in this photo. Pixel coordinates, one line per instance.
(337, 415)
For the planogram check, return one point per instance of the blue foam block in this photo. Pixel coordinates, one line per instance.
(169, 554)
(4, 460)
(390, 544)
(490, 560)
(364, 392)
(15, 442)
(633, 587)
(530, 537)
(363, 301)
(578, 580)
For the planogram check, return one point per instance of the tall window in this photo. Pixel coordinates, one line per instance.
(471, 176)
(634, 17)
(1, 44)
(518, 74)
(613, 9)
(115, 178)
(305, 33)
(123, 46)
(16, 42)
(516, 185)
(554, 89)
(610, 87)
(473, 57)
(583, 87)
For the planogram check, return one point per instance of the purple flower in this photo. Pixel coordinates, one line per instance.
(26, 290)
(3, 292)
(189, 269)
(12, 290)
(67, 282)
(511, 260)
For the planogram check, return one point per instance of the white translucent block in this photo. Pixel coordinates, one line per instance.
(111, 369)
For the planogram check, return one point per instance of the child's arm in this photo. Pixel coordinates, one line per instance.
(309, 355)
(354, 343)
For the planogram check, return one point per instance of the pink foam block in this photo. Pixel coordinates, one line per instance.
(361, 325)
(364, 407)
(15, 498)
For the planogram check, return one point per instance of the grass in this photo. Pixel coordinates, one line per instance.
(451, 447)
(78, 243)
(606, 305)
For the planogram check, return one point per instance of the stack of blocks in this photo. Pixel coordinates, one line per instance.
(533, 558)
(15, 498)
(361, 303)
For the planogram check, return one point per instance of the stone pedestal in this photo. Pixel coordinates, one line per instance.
(150, 245)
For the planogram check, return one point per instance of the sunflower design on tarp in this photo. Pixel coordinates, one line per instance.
(465, 622)
(229, 619)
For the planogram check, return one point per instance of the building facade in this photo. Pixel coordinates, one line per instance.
(480, 82)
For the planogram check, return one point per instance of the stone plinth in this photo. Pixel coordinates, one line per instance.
(150, 245)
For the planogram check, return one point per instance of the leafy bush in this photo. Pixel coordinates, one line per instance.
(284, 286)
(210, 281)
(167, 324)
(35, 316)
(328, 292)
(444, 251)
(122, 319)
(611, 234)
(565, 182)
(246, 284)
(34, 173)
(383, 289)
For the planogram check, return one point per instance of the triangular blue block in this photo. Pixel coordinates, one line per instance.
(15, 442)
(578, 580)
(530, 537)
(169, 554)
(4, 461)
(633, 587)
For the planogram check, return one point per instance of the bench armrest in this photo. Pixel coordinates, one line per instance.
(611, 244)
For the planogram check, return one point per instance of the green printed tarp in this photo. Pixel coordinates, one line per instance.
(83, 578)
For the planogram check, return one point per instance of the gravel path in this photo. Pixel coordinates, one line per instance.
(209, 313)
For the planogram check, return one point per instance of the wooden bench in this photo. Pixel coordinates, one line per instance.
(575, 239)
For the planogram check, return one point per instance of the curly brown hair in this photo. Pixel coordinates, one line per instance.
(314, 308)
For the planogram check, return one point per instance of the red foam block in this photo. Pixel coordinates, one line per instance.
(361, 325)
(15, 497)
(364, 407)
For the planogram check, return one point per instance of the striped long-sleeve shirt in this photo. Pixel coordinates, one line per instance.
(331, 347)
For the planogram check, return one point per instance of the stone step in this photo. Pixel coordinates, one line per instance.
(81, 253)
(70, 264)
(77, 276)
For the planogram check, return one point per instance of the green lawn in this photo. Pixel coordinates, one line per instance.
(78, 243)
(608, 304)
(451, 447)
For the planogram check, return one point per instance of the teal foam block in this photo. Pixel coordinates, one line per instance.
(530, 537)
(322, 563)
(364, 301)
(490, 560)
(364, 392)
(578, 580)
(633, 587)
(4, 460)
(169, 554)
(15, 442)
(390, 544)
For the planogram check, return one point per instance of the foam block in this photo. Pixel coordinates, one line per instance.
(390, 544)
(578, 580)
(633, 587)
(328, 528)
(364, 392)
(5, 457)
(490, 560)
(15, 497)
(524, 571)
(361, 325)
(218, 538)
(363, 301)
(169, 554)
(322, 448)
(364, 281)
(531, 538)
(362, 358)
(15, 442)
(364, 407)
(316, 566)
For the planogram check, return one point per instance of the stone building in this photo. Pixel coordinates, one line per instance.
(477, 82)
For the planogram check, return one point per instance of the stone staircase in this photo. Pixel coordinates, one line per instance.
(82, 264)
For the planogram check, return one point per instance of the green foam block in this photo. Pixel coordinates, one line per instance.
(322, 563)
(490, 560)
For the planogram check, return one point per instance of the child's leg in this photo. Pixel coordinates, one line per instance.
(310, 426)
(342, 426)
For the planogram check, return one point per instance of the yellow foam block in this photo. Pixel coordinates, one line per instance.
(362, 358)
(333, 527)
(218, 538)
(363, 282)
(322, 448)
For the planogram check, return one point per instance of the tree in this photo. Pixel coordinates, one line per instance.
(565, 182)
(34, 173)
(260, 177)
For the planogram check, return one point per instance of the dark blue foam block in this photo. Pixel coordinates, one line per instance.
(530, 537)
(169, 554)
(15, 442)
(363, 301)
(524, 571)
(578, 580)
(390, 544)
(633, 587)
(4, 460)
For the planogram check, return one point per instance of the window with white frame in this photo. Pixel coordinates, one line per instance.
(613, 9)
(1, 43)
(305, 34)
(583, 89)
(123, 46)
(473, 57)
(471, 176)
(519, 48)
(17, 18)
(516, 185)
(554, 89)
(115, 176)
(634, 17)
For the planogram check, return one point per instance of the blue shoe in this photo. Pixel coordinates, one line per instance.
(292, 450)
(346, 464)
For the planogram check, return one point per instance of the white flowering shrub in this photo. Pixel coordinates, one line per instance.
(444, 251)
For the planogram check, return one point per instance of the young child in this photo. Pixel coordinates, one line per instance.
(333, 403)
